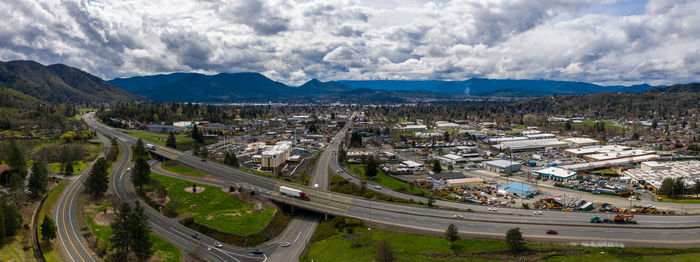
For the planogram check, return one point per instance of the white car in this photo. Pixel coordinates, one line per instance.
(377, 187)
(537, 213)
(493, 209)
(285, 244)
(460, 216)
(218, 244)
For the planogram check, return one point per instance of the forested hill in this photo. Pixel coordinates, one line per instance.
(58, 84)
(678, 88)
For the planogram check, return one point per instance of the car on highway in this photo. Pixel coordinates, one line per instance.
(257, 251)
(539, 213)
(377, 187)
(196, 236)
(218, 244)
(460, 216)
(128, 169)
(552, 232)
(285, 244)
(493, 209)
(204, 160)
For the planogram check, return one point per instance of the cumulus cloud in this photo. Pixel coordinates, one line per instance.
(293, 41)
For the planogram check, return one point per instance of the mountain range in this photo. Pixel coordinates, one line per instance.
(254, 87)
(28, 82)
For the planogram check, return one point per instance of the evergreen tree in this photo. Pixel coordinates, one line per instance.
(141, 174)
(68, 169)
(371, 167)
(197, 135)
(678, 187)
(230, 159)
(15, 159)
(120, 233)
(515, 239)
(2, 225)
(139, 149)
(171, 142)
(39, 178)
(666, 187)
(17, 186)
(452, 234)
(446, 136)
(113, 150)
(97, 181)
(437, 168)
(48, 229)
(13, 218)
(141, 243)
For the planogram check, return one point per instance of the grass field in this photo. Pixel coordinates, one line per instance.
(13, 250)
(183, 141)
(340, 185)
(78, 167)
(215, 208)
(163, 249)
(50, 254)
(176, 167)
(297, 181)
(330, 244)
(687, 201)
(387, 181)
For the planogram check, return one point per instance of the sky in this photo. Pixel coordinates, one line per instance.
(603, 42)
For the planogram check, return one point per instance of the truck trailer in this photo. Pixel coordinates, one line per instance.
(151, 147)
(293, 192)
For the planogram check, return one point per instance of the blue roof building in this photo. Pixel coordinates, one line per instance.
(520, 189)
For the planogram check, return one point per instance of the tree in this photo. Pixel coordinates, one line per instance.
(666, 187)
(371, 167)
(230, 159)
(515, 239)
(450, 167)
(452, 234)
(68, 169)
(678, 187)
(15, 159)
(171, 142)
(140, 234)
(696, 188)
(39, 178)
(141, 174)
(196, 135)
(97, 181)
(12, 217)
(437, 168)
(342, 155)
(48, 229)
(567, 126)
(113, 150)
(446, 136)
(17, 186)
(120, 233)
(2, 225)
(384, 252)
(139, 149)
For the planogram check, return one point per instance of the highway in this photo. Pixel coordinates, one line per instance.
(65, 213)
(573, 226)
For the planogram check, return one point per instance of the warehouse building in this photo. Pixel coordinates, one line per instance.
(502, 166)
(556, 173)
(517, 188)
(618, 155)
(530, 145)
(577, 142)
(589, 150)
(274, 157)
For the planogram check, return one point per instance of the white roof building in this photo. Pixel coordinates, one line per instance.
(556, 173)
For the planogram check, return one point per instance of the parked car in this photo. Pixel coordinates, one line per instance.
(493, 209)
(552, 232)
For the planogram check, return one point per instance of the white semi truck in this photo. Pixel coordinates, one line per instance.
(293, 192)
(151, 147)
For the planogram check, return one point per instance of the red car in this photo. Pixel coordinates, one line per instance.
(552, 232)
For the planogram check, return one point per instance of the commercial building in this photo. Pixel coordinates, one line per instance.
(517, 188)
(618, 155)
(556, 173)
(415, 128)
(589, 150)
(530, 145)
(446, 125)
(540, 136)
(498, 140)
(576, 142)
(274, 157)
(502, 166)
(653, 173)
(450, 159)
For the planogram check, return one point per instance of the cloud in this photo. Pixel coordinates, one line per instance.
(293, 41)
